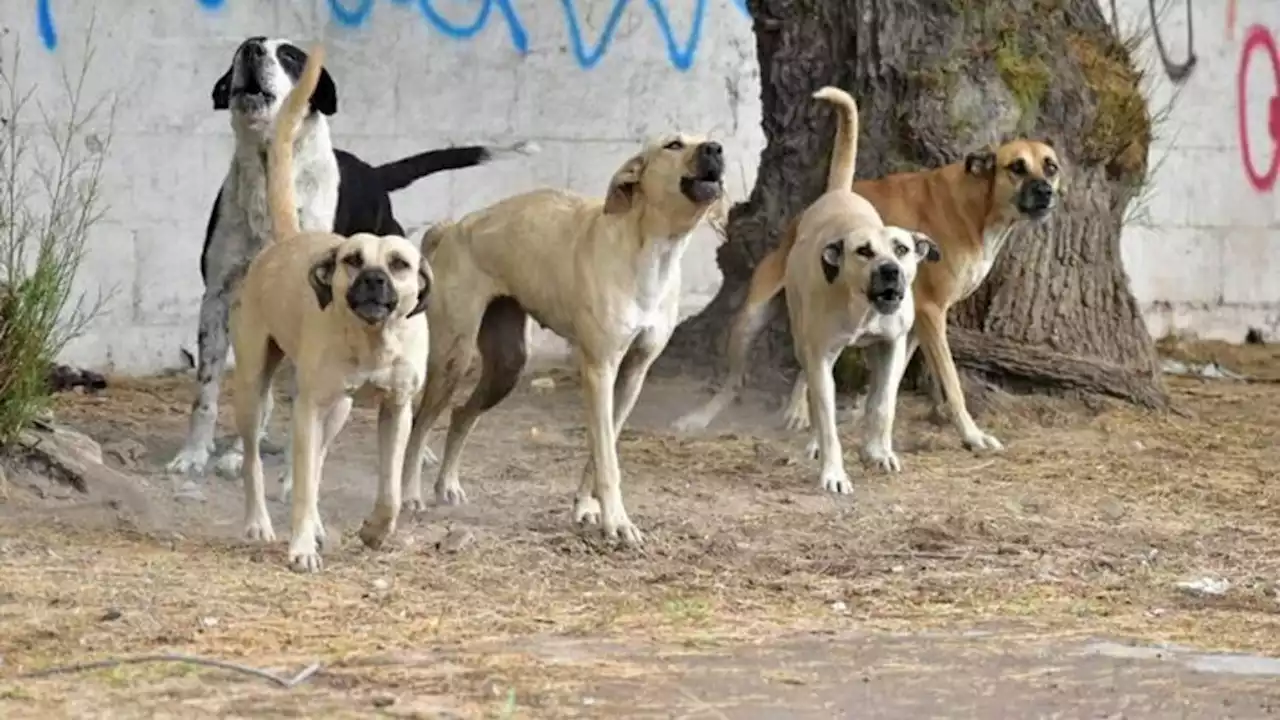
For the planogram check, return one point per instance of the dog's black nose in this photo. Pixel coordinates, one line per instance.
(711, 150)
(255, 50)
(1041, 190)
(889, 272)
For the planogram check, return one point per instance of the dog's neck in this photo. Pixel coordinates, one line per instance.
(371, 346)
(255, 139)
(657, 258)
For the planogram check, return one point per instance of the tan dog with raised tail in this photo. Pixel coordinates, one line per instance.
(602, 274)
(970, 208)
(349, 313)
(848, 282)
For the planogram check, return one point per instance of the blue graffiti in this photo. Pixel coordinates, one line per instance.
(355, 13)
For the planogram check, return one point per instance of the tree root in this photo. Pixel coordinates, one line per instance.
(1042, 368)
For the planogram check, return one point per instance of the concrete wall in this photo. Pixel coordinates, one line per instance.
(589, 80)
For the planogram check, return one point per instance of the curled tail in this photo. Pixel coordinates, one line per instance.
(280, 198)
(844, 156)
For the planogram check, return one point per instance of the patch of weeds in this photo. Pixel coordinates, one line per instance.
(686, 610)
(1121, 129)
(1026, 76)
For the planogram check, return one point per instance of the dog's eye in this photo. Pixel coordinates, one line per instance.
(353, 261)
(398, 264)
(1050, 168)
(1018, 167)
(899, 249)
(865, 251)
(675, 145)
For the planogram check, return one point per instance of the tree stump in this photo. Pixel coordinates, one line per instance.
(935, 79)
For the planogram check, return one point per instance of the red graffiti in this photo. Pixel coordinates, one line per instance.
(1258, 38)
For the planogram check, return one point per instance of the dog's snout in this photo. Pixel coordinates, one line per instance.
(1041, 189)
(890, 272)
(711, 150)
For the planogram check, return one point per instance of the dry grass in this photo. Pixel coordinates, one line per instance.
(1083, 525)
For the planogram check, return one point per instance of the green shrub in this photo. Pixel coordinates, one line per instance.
(50, 197)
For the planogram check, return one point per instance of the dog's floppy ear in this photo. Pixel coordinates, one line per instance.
(980, 162)
(926, 249)
(622, 187)
(832, 259)
(325, 98)
(222, 91)
(321, 277)
(425, 280)
(1048, 142)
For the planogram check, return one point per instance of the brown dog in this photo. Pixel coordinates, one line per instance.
(969, 208)
(603, 274)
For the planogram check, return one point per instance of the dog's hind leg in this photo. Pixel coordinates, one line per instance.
(257, 360)
(211, 342)
(503, 354)
(886, 362)
(452, 351)
(762, 295)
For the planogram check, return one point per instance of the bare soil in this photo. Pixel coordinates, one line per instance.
(756, 593)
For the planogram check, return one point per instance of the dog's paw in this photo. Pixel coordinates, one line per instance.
(429, 457)
(259, 529)
(624, 532)
(981, 441)
(285, 488)
(586, 510)
(413, 505)
(451, 494)
(230, 464)
(304, 556)
(189, 461)
(836, 481)
(812, 450)
(882, 459)
(375, 530)
(796, 418)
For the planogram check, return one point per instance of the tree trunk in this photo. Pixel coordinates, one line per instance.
(935, 79)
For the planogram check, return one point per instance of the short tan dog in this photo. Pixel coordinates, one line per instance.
(604, 275)
(848, 282)
(365, 332)
(969, 208)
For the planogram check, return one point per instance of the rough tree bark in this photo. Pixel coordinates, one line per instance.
(935, 79)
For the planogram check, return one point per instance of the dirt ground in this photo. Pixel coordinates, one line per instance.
(965, 586)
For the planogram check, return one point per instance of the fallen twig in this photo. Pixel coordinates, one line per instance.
(283, 682)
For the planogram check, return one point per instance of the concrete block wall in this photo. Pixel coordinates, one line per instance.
(589, 80)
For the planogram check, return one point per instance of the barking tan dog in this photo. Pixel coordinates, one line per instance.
(604, 275)
(364, 333)
(970, 208)
(848, 280)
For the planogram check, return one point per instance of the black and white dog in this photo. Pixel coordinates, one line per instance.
(336, 191)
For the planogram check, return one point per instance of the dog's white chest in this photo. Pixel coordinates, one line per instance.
(876, 327)
(657, 277)
(992, 243)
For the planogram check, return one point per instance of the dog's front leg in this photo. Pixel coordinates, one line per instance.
(818, 367)
(304, 550)
(931, 329)
(598, 386)
(887, 361)
(395, 421)
(631, 375)
(211, 349)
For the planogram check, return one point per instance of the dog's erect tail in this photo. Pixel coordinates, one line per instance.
(403, 173)
(280, 198)
(844, 156)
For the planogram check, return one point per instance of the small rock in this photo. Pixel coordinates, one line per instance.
(456, 541)
(543, 384)
(111, 614)
(383, 701)
(1137, 446)
(209, 622)
(1156, 612)
(840, 607)
(1113, 509)
(1205, 587)
(1253, 337)
(381, 585)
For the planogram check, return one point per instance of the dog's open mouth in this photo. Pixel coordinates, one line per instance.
(373, 312)
(704, 187)
(888, 300)
(252, 92)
